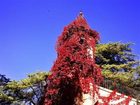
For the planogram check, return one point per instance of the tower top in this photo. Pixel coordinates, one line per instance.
(81, 14)
(80, 20)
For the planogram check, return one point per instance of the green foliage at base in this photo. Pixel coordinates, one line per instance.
(26, 91)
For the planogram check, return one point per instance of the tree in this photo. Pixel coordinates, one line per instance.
(136, 80)
(3, 80)
(27, 91)
(118, 64)
(4, 99)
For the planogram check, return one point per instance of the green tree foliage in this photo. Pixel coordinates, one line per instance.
(136, 82)
(3, 80)
(28, 91)
(118, 64)
(115, 59)
(4, 99)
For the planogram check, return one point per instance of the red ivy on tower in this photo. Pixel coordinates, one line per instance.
(74, 71)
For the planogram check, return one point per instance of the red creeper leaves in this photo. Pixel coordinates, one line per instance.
(74, 71)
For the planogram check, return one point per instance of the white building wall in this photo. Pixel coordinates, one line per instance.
(105, 92)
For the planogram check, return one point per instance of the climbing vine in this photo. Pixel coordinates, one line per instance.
(75, 71)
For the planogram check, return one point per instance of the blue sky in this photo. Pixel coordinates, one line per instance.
(29, 29)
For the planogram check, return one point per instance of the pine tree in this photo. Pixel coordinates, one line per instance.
(4, 99)
(115, 59)
(118, 65)
(28, 91)
(3, 80)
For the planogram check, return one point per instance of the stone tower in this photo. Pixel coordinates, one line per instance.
(74, 75)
